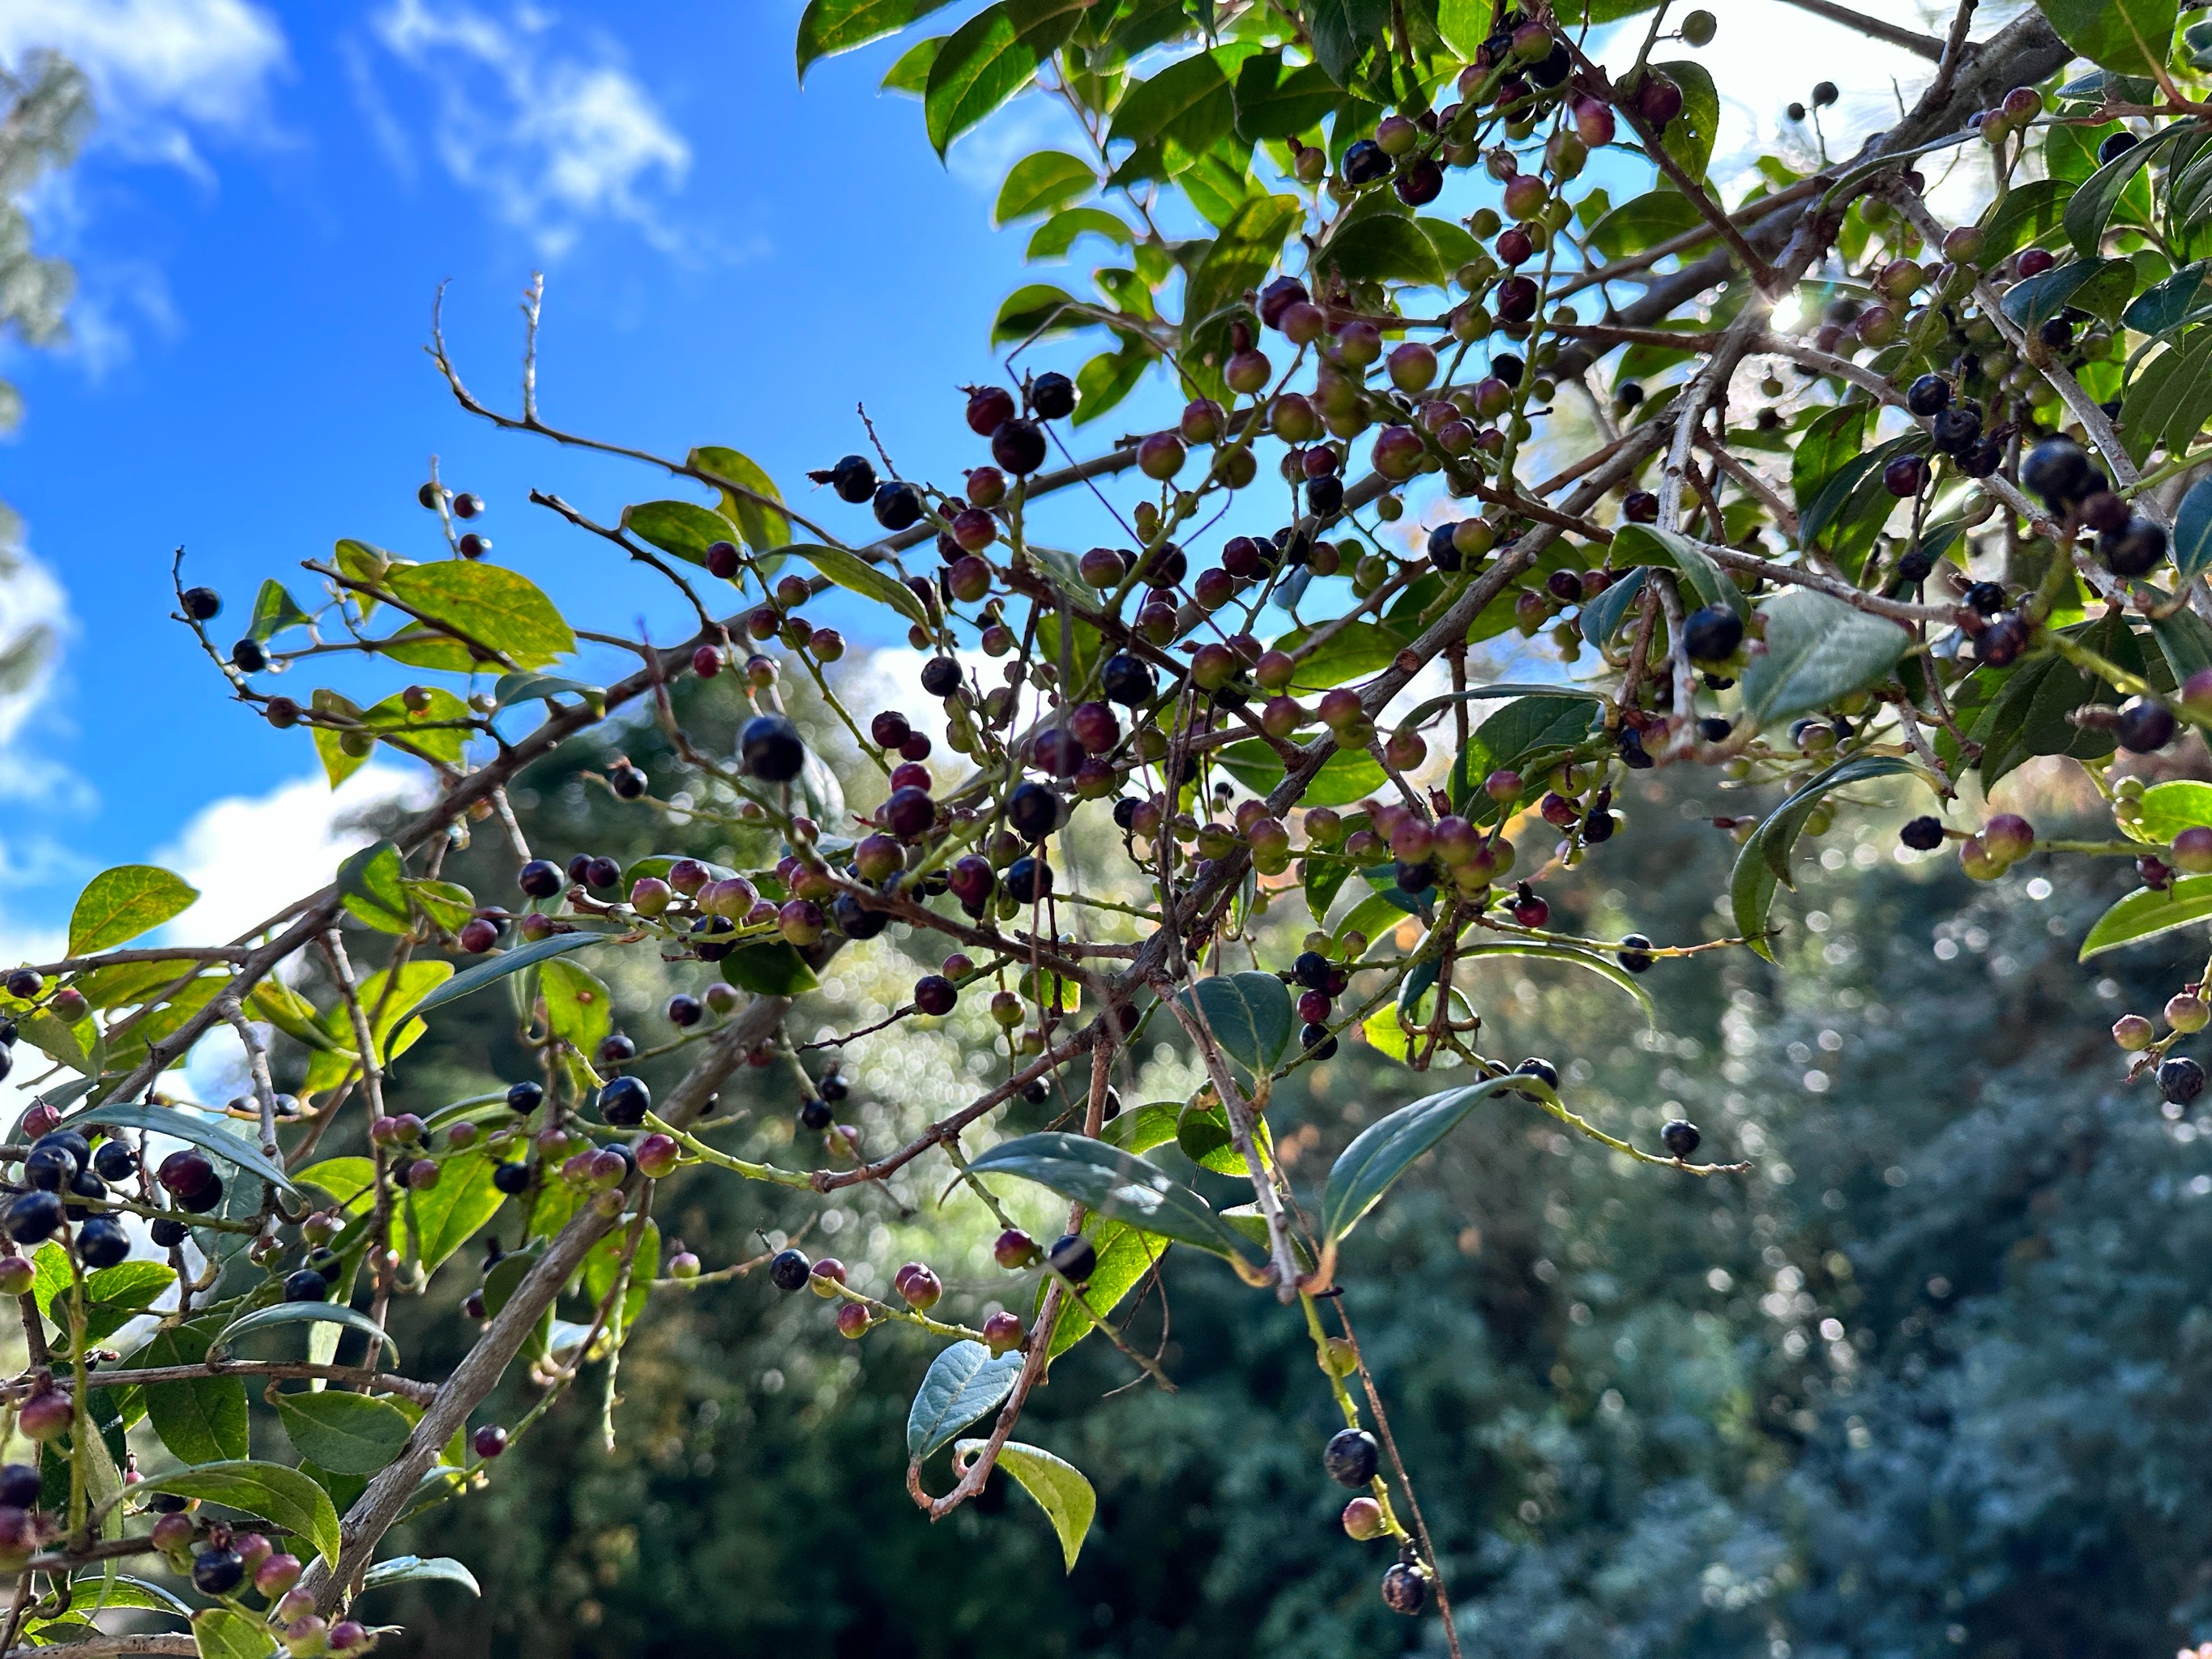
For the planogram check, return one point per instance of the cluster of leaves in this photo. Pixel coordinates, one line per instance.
(1946, 531)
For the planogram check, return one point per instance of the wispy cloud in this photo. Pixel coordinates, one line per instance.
(160, 68)
(547, 125)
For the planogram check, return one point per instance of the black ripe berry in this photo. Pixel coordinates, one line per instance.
(1312, 971)
(101, 1241)
(1712, 634)
(1028, 880)
(2144, 726)
(723, 559)
(789, 1269)
(2181, 1080)
(897, 505)
(217, 1572)
(2003, 640)
(1365, 162)
(1542, 1070)
(1923, 835)
(1317, 1041)
(834, 1088)
(625, 1102)
(1018, 447)
(1955, 431)
(771, 750)
(33, 1217)
(1635, 953)
(1073, 1257)
(201, 604)
(305, 1285)
(2134, 549)
(472, 545)
(1405, 1589)
(1984, 599)
(857, 920)
(114, 1161)
(2058, 471)
(511, 1178)
(627, 782)
(1680, 1138)
(814, 1114)
(166, 1233)
(540, 879)
(1928, 396)
(1033, 810)
(1443, 551)
(989, 407)
(2114, 146)
(1052, 396)
(854, 478)
(1351, 1457)
(940, 677)
(525, 1096)
(1129, 680)
(20, 1484)
(248, 658)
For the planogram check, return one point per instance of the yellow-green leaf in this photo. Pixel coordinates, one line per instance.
(124, 902)
(498, 609)
(1060, 1489)
(762, 527)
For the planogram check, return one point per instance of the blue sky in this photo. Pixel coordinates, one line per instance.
(260, 224)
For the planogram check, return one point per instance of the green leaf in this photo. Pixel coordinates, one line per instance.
(506, 962)
(1353, 651)
(1384, 247)
(605, 1262)
(363, 563)
(93, 1592)
(186, 1125)
(2185, 640)
(829, 27)
(852, 572)
(962, 1382)
(121, 903)
(1108, 378)
(1241, 255)
(1249, 1015)
(1643, 221)
(496, 606)
(114, 1296)
(344, 1433)
(2147, 913)
(578, 1010)
(392, 1024)
(1345, 776)
(2028, 211)
(1053, 239)
(1763, 858)
(1274, 101)
(1035, 311)
(270, 1491)
(2171, 807)
(369, 881)
(763, 528)
(2184, 298)
(1114, 1183)
(1818, 649)
(2168, 400)
(205, 1419)
(1689, 136)
(1041, 183)
(1530, 735)
(989, 59)
(1643, 543)
(220, 1633)
(773, 970)
(1383, 1151)
(426, 731)
(304, 1313)
(911, 72)
(526, 688)
(2090, 208)
(448, 904)
(1343, 30)
(449, 1215)
(1573, 955)
(2192, 531)
(1601, 617)
(2028, 715)
(421, 1570)
(1180, 112)
(684, 528)
(274, 610)
(1060, 1488)
(1160, 1121)
(2127, 37)
(2101, 286)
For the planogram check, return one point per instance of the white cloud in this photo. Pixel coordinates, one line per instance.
(550, 137)
(251, 854)
(159, 67)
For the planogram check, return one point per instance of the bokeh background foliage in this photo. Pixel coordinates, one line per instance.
(1928, 1380)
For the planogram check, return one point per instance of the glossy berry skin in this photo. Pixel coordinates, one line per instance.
(101, 1241)
(2144, 726)
(217, 1572)
(525, 1097)
(2058, 471)
(1317, 1041)
(896, 506)
(1014, 1248)
(1923, 835)
(1929, 396)
(2003, 640)
(1680, 1138)
(540, 879)
(490, 1441)
(1984, 599)
(1018, 447)
(1312, 969)
(1052, 396)
(19, 1485)
(2114, 146)
(1905, 477)
(1542, 1070)
(854, 478)
(1033, 810)
(1712, 634)
(625, 1102)
(1129, 680)
(1634, 953)
(1073, 1257)
(305, 1285)
(201, 604)
(185, 1173)
(166, 1233)
(989, 407)
(2181, 1080)
(1351, 1457)
(788, 1270)
(1405, 1589)
(1028, 880)
(771, 750)
(1365, 162)
(2133, 551)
